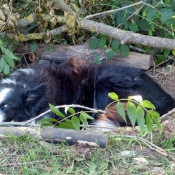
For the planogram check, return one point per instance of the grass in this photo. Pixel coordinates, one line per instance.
(30, 156)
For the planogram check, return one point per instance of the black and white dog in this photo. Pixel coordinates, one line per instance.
(27, 92)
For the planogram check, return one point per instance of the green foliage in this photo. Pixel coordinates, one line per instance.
(137, 112)
(69, 121)
(7, 59)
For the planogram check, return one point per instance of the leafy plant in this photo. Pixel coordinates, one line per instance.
(137, 111)
(69, 121)
(7, 59)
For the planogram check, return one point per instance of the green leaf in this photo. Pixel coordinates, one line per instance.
(144, 25)
(6, 69)
(113, 96)
(110, 54)
(158, 124)
(9, 53)
(64, 125)
(124, 50)
(9, 60)
(50, 120)
(115, 45)
(83, 120)
(70, 169)
(2, 63)
(173, 52)
(133, 27)
(33, 46)
(144, 13)
(86, 116)
(1, 43)
(140, 117)
(147, 104)
(131, 111)
(92, 167)
(93, 43)
(76, 122)
(166, 13)
(121, 110)
(68, 109)
(154, 114)
(45, 124)
(56, 111)
(149, 123)
(102, 43)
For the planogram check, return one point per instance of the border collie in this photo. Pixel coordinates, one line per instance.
(27, 92)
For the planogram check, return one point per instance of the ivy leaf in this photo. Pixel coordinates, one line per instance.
(140, 117)
(133, 27)
(102, 43)
(149, 122)
(115, 45)
(56, 111)
(113, 96)
(9, 60)
(93, 43)
(76, 122)
(121, 110)
(131, 111)
(124, 50)
(147, 104)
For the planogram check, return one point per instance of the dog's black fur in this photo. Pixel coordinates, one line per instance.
(28, 91)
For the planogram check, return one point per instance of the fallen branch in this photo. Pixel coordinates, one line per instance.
(58, 135)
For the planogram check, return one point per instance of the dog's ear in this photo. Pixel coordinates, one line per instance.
(37, 93)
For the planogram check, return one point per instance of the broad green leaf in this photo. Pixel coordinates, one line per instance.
(86, 116)
(50, 120)
(113, 96)
(2, 63)
(70, 123)
(144, 25)
(9, 60)
(131, 111)
(154, 114)
(6, 69)
(144, 13)
(45, 124)
(64, 125)
(158, 124)
(121, 110)
(9, 53)
(72, 111)
(148, 104)
(102, 43)
(93, 43)
(115, 45)
(149, 123)
(76, 122)
(166, 13)
(140, 117)
(56, 111)
(124, 50)
(133, 27)
(83, 120)
(110, 54)
(33, 46)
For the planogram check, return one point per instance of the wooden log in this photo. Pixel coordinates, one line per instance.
(58, 135)
(63, 52)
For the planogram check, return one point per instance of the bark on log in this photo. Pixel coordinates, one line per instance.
(63, 52)
(58, 135)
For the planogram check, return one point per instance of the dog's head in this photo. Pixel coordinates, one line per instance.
(19, 104)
